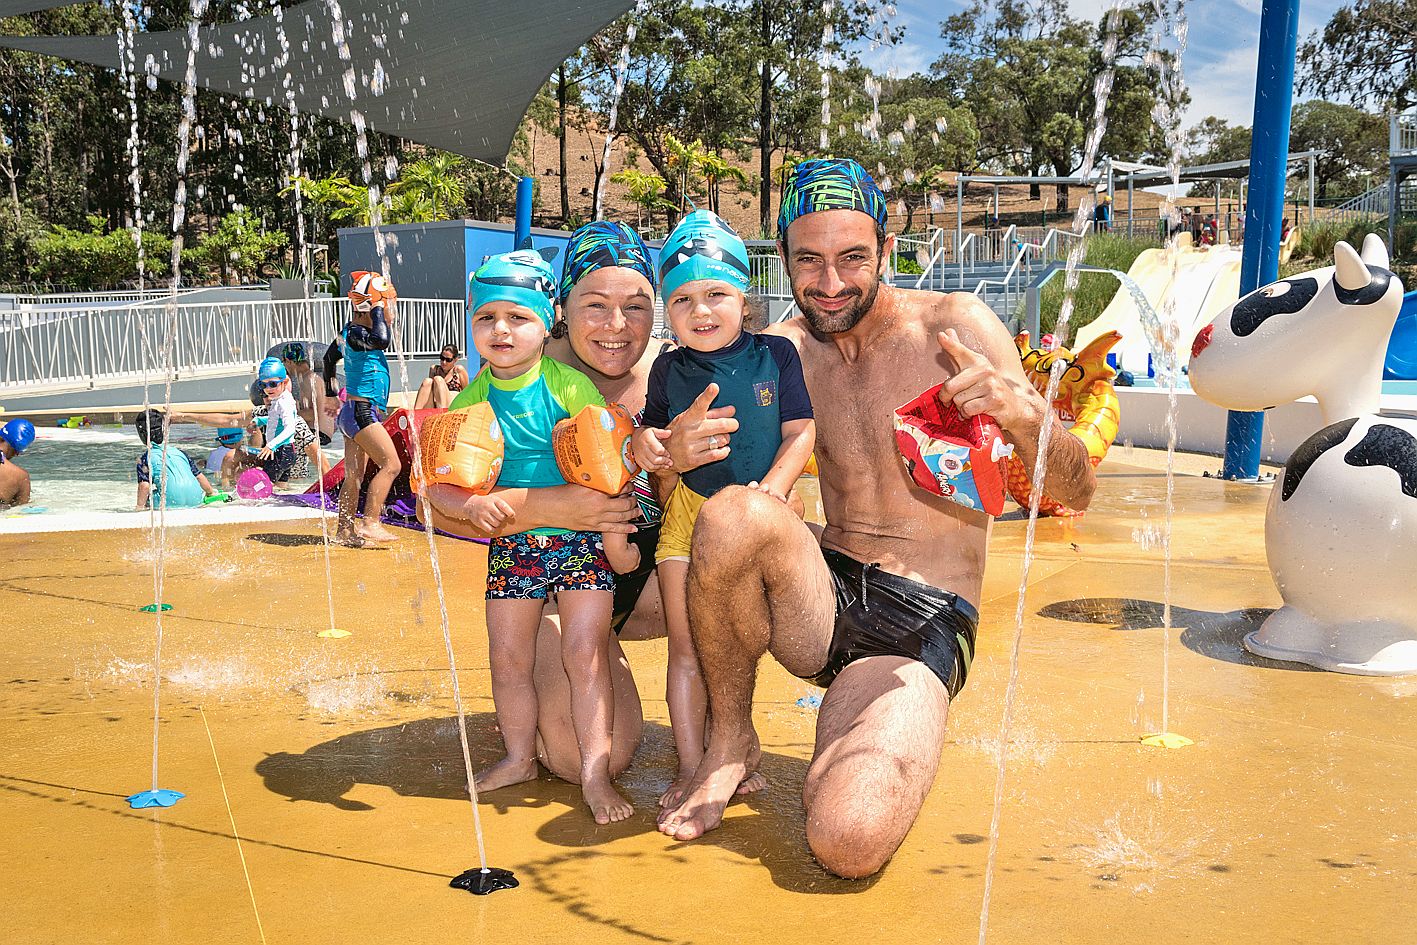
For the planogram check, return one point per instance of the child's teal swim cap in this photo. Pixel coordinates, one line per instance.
(702, 246)
(521, 277)
(271, 370)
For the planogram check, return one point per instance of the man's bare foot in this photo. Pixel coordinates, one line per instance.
(723, 769)
(674, 794)
(606, 804)
(506, 772)
(375, 531)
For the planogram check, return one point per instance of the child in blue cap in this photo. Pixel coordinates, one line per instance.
(15, 438)
(278, 457)
(512, 312)
(703, 270)
(228, 439)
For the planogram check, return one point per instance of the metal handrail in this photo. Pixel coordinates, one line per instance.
(930, 269)
(95, 347)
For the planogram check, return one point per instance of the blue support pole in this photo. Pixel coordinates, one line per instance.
(1269, 155)
(525, 190)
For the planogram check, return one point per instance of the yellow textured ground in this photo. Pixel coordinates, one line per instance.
(337, 764)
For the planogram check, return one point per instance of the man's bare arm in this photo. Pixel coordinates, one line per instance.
(989, 379)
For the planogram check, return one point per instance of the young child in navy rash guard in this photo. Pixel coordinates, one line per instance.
(704, 271)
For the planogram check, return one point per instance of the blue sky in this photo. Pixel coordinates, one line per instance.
(1220, 53)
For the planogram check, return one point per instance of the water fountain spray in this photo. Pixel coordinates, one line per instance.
(622, 70)
(1102, 89)
(1165, 115)
(159, 797)
(484, 879)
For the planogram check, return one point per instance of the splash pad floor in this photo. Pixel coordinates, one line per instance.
(1289, 820)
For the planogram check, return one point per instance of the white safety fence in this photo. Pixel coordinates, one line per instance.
(106, 347)
(1403, 134)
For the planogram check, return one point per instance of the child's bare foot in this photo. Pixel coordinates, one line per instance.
(675, 792)
(349, 538)
(504, 773)
(606, 804)
(375, 531)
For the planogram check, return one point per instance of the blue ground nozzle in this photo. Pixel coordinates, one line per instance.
(485, 880)
(159, 797)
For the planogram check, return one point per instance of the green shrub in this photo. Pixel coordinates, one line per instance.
(1095, 289)
(906, 265)
(1316, 242)
(239, 246)
(96, 260)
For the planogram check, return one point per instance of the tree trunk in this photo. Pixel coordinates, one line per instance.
(83, 161)
(765, 123)
(1062, 198)
(561, 119)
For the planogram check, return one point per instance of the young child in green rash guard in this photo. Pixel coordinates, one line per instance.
(166, 475)
(703, 269)
(511, 299)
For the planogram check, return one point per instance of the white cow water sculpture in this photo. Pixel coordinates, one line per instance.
(1341, 526)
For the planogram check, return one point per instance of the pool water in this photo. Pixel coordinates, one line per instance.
(95, 468)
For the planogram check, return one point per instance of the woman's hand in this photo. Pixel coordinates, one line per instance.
(700, 435)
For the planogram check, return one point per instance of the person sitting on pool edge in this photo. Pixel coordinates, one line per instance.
(15, 438)
(165, 473)
(445, 379)
(881, 608)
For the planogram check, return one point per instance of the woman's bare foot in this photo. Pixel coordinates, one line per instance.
(375, 531)
(606, 804)
(506, 772)
(723, 769)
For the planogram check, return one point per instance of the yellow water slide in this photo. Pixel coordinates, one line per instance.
(1190, 284)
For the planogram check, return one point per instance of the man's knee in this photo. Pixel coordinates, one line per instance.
(852, 847)
(739, 521)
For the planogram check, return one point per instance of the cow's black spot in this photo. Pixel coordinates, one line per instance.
(1368, 294)
(1390, 446)
(1254, 309)
(1309, 451)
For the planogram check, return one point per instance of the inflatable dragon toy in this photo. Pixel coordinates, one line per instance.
(1086, 403)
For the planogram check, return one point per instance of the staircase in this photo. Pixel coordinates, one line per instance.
(1003, 279)
(1003, 298)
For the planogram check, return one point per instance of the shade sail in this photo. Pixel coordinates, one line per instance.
(453, 74)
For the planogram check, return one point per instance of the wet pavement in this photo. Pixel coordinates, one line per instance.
(336, 762)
